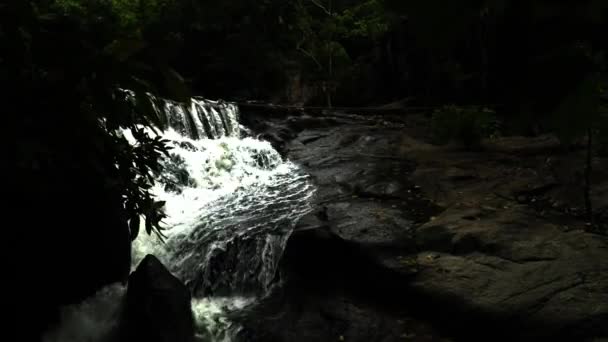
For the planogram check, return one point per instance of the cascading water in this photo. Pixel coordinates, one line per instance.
(202, 119)
(231, 202)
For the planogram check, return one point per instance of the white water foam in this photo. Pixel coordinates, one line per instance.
(225, 172)
(93, 320)
(238, 188)
(231, 203)
(210, 317)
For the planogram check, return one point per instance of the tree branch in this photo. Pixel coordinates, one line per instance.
(307, 53)
(320, 5)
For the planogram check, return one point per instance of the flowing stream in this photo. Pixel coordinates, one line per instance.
(232, 202)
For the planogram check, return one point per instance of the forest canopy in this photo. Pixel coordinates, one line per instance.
(538, 63)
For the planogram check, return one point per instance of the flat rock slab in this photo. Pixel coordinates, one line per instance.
(486, 239)
(503, 248)
(364, 192)
(517, 269)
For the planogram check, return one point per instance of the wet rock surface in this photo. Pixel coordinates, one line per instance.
(485, 245)
(505, 248)
(157, 306)
(333, 291)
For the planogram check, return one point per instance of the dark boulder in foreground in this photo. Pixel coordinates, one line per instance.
(157, 306)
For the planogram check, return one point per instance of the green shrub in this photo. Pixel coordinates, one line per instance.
(466, 125)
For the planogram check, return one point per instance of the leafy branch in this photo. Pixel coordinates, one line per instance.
(108, 52)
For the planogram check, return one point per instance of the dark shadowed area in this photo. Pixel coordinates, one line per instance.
(306, 170)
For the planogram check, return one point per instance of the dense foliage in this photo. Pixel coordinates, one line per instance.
(74, 56)
(66, 64)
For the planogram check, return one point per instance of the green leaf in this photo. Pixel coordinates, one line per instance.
(159, 233)
(159, 204)
(148, 226)
(134, 226)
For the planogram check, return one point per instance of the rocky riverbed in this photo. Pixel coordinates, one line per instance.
(411, 241)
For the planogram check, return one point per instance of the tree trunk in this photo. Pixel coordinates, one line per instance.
(588, 169)
(328, 97)
(330, 62)
(484, 58)
(330, 78)
(429, 80)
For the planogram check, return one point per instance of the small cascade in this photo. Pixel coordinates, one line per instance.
(232, 203)
(202, 119)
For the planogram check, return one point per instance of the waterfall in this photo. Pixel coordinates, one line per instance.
(201, 118)
(231, 201)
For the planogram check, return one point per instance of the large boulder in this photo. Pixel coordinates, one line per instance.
(157, 306)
